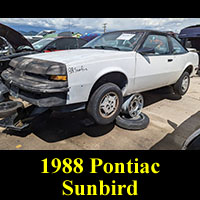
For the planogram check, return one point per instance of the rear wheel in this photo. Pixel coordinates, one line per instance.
(182, 85)
(105, 103)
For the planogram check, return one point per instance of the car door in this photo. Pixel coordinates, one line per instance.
(154, 63)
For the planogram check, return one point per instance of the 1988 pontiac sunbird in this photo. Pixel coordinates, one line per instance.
(99, 76)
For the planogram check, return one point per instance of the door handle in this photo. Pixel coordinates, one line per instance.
(170, 60)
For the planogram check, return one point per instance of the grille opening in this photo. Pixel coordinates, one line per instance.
(40, 76)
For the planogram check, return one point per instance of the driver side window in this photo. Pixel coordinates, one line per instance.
(158, 44)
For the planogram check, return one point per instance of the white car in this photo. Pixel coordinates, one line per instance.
(103, 73)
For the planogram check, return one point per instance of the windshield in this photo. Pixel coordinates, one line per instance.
(122, 41)
(42, 43)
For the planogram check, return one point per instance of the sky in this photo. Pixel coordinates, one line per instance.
(90, 25)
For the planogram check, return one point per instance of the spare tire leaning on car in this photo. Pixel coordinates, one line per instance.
(131, 116)
(129, 123)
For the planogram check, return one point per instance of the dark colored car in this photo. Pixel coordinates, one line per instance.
(58, 44)
(190, 38)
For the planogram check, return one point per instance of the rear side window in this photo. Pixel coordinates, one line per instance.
(177, 48)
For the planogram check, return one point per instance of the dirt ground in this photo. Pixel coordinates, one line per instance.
(172, 120)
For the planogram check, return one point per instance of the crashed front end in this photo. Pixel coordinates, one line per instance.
(40, 82)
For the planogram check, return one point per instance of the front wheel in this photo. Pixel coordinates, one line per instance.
(182, 85)
(105, 103)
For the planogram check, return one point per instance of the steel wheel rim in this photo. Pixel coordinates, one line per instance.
(108, 105)
(185, 84)
(136, 105)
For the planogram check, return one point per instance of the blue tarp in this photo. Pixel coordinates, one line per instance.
(190, 32)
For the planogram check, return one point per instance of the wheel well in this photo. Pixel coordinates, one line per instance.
(189, 69)
(117, 78)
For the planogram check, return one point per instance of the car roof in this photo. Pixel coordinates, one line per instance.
(190, 32)
(58, 37)
(140, 30)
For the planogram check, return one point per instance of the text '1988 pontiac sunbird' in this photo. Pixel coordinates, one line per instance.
(106, 76)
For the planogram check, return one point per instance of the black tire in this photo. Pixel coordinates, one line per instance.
(178, 87)
(9, 107)
(195, 144)
(132, 124)
(94, 105)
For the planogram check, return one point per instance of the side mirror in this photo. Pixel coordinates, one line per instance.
(146, 51)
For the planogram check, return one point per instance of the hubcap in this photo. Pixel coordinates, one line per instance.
(185, 84)
(109, 105)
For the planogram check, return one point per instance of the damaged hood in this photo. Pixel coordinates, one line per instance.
(81, 56)
(15, 38)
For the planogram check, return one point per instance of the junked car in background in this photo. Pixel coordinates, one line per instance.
(12, 45)
(39, 36)
(58, 44)
(106, 77)
(13, 42)
(190, 38)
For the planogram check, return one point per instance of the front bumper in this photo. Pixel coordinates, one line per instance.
(46, 100)
(36, 93)
(33, 86)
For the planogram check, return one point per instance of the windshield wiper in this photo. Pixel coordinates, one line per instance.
(106, 47)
